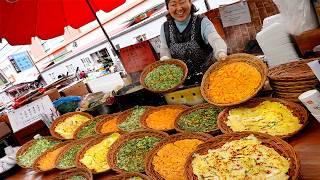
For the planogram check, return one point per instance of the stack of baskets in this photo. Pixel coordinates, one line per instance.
(292, 79)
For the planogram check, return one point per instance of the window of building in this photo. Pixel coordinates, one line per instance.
(52, 76)
(21, 61)
(86, 62)
(70, 68)
(3, 80)
(102, 56)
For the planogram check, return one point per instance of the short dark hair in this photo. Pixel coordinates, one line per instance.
(192, 12)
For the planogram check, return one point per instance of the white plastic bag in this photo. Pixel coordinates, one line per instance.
(298, 15)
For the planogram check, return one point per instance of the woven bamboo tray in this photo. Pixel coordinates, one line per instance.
(297, 89)
(156, 109)
(287, 94)
(282, 147)
(98, 119)
(293, 71)
(294, 83)
(291, 99)
(36, 164)
(150, 171)
(68, 147)
(115, 148)
(26, 146)
(298, 111)
(74, 172)
(214, 131)
(94, 141)
(292, 90)
(126, 176)
(125, 114)
(246, 58)
(107, 118)
(153, 66)
(61, 119)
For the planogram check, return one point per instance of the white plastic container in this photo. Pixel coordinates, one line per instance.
(315, 66)
(271, 20)
(311, 99)
(280, 59)
(298, 15)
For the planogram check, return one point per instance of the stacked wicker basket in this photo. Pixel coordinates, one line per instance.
(292, 79)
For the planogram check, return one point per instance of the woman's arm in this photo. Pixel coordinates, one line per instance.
(164, 50)
(211, 36)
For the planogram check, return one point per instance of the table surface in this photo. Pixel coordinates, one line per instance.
(306, 144)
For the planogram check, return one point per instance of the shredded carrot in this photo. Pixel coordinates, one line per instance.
(171, 158)
(163, 119)
(47, 162)
(110, 126)
(233, 83)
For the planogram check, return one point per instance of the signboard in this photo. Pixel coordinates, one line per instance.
(41, 109)
(14, 64)
(235, 14)
(136, 57)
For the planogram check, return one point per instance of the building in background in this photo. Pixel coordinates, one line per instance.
(86, 48)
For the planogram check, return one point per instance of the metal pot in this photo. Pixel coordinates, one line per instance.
(101, 109)
(134, 94)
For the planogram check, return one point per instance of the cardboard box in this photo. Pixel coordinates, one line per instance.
(4, 130)
(77, 89)
(26, 134)
(53, 94)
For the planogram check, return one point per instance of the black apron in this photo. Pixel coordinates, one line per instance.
(189, 47)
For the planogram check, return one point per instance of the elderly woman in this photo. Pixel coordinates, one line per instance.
(190, 38)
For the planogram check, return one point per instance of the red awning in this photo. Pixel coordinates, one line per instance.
(20, 20)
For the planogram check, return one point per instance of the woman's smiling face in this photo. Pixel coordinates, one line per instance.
(179, 9)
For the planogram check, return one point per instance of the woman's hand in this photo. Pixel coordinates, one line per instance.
(222, 56)
(164, 58)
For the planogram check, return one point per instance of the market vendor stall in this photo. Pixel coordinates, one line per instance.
(160, 130)
(281, 128)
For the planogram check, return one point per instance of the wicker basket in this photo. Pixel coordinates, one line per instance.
(95, 140)
(68, 147)
(126, 176)
(246, 58)
(287, 96)
(298, 111)
(115, 148)
(153, 66)
(125, 114)
(27, 145)
(61, 119)
(36, 164)
(293, 71)
(293, 89)
(291, 99)
(294, 83)
(156, 109)
(74, 172)
(150, 171)
(282, 147)
(98, 119)
(214, 131)
(107, 118)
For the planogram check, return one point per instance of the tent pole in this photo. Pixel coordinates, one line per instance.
(104, 31)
